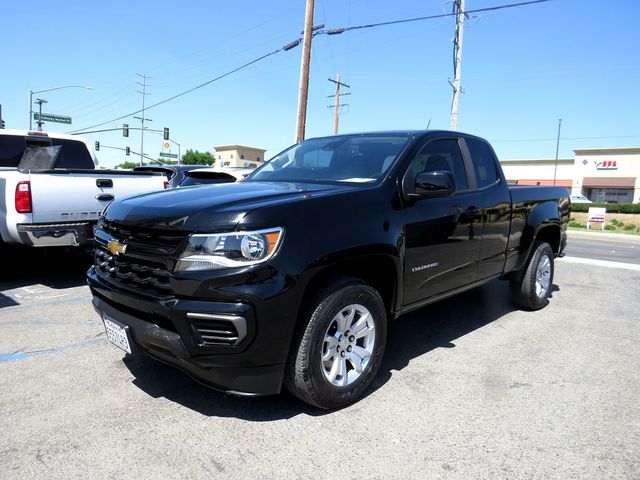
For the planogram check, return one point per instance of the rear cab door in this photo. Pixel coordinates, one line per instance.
(495, 203)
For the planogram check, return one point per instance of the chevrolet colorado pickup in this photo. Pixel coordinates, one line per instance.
(290, 277)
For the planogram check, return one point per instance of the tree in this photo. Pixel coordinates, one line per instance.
(194, 157)
(128, 165)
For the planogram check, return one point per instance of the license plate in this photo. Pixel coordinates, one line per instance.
(117, 334)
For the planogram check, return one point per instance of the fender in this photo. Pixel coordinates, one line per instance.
(373, 263)
(542, 216)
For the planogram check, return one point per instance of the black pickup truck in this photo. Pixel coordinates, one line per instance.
(290, 277)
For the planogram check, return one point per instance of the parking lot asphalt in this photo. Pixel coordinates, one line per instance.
(470, 388)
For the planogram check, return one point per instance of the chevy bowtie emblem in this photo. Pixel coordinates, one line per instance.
(116, 247)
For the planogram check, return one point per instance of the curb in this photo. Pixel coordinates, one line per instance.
(604, 235)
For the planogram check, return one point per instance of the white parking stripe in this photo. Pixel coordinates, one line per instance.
(601, 263)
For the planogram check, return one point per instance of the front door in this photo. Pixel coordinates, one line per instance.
(442, 235)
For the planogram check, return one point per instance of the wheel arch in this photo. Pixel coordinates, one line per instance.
(542, 224)
(379, 270)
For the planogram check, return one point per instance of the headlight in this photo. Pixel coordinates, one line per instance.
(229, 250)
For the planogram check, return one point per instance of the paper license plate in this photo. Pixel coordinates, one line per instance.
(117, 334)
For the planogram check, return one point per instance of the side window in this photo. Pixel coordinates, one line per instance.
(442, 155)
(484, 162)
(11, 150)
(73, 154)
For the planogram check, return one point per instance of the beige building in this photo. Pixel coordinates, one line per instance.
(539, 171)
(607, 174)
(239, 156)
(600, 174)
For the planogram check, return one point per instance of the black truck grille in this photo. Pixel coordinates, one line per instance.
(145, 265)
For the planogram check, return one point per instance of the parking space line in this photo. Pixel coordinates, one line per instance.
(15, 356)
(601, 263)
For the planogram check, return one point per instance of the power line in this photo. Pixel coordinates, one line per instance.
(297, 42)
(219, 77)
(337, 31)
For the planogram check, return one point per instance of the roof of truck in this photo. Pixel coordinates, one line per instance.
(35, 133)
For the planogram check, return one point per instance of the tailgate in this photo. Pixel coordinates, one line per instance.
(65, 196)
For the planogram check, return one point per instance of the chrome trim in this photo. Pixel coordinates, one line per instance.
(240, 323)
(57, 235)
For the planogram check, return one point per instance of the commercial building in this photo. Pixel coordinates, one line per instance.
(239, 156)
(600, 174)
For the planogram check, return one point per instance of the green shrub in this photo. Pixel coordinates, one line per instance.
(615, 222)
(609, 227)
(629, 227)
(611, 207)
(575, 224)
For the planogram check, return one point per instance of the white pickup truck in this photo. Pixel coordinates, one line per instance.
(52, 190)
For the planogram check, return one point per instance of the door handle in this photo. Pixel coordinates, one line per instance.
(104, 183)
(473, 212)
(105, 197)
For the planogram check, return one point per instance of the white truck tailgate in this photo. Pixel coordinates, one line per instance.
(71, 196)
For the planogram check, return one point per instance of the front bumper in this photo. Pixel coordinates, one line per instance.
(165, 331)
(56, 234)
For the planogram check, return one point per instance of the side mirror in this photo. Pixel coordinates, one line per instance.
(433, 184)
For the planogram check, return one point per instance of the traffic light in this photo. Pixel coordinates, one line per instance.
(97, 146)
(125, 129)
(127, 151)
(2, 124)
(166, 133)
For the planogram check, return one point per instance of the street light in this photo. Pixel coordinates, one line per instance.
(40, 101)
(31, 92)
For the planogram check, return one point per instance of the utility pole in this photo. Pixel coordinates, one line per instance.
(458, 10)
(142, 119)
(304, 72)
(555, 170)
(337, 105)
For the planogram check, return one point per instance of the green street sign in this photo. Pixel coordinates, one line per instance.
(169, 155)
(52, 117)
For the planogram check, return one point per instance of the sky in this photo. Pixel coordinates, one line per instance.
(522, 69)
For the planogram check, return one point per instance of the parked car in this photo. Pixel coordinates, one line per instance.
(52, 190)
(239, 172)
(290, 277)
(206, 176)
(175, 173)
(579, 199)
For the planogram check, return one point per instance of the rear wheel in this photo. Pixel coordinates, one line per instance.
(533, 288)
(338, 352)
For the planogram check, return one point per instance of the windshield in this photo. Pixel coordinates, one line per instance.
(349, 159)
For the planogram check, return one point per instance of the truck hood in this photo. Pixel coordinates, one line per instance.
(210, 208)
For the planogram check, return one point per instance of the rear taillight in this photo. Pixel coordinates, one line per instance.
(166, 185)
(23, 197)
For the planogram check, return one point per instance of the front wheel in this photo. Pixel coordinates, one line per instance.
(338, 353)
(533, 288)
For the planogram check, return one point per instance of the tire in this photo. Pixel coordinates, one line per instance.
(533, 288)
(328, 366)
